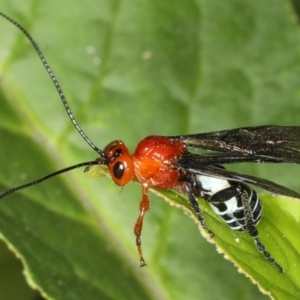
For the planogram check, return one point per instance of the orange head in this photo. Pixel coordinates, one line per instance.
(119, 162)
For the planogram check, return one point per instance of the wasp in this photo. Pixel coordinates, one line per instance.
(172, 162)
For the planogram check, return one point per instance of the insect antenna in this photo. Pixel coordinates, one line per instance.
(37, 181)
(54, 80)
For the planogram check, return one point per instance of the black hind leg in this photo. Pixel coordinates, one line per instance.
(195, 206)
(253, 232)
(261, 248)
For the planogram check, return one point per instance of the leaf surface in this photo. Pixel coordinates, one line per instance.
(132, 69)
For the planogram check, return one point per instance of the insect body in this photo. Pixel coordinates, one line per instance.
(162, 162)
(225, 199)
(171, 163)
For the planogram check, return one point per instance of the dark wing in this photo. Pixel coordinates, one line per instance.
(217, 172)
(260, 144)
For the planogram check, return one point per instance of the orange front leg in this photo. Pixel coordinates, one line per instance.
(144, 206)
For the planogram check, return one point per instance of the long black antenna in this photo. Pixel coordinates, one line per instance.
(37, 181)
(57, 86)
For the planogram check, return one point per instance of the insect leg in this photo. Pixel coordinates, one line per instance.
(253, 232)
(195, 206)
(261, 248)
(144, 206)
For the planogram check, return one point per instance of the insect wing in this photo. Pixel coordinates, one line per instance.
(258, 144)
(217, 172)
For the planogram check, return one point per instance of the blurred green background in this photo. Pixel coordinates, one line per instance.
(130, 69)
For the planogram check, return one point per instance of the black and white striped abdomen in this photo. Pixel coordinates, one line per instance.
(231, 210)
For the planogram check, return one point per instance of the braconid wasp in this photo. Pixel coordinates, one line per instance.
(170, 162)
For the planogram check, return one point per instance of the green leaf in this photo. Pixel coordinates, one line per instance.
(131, 69)
(13, 285)
(278, 235)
